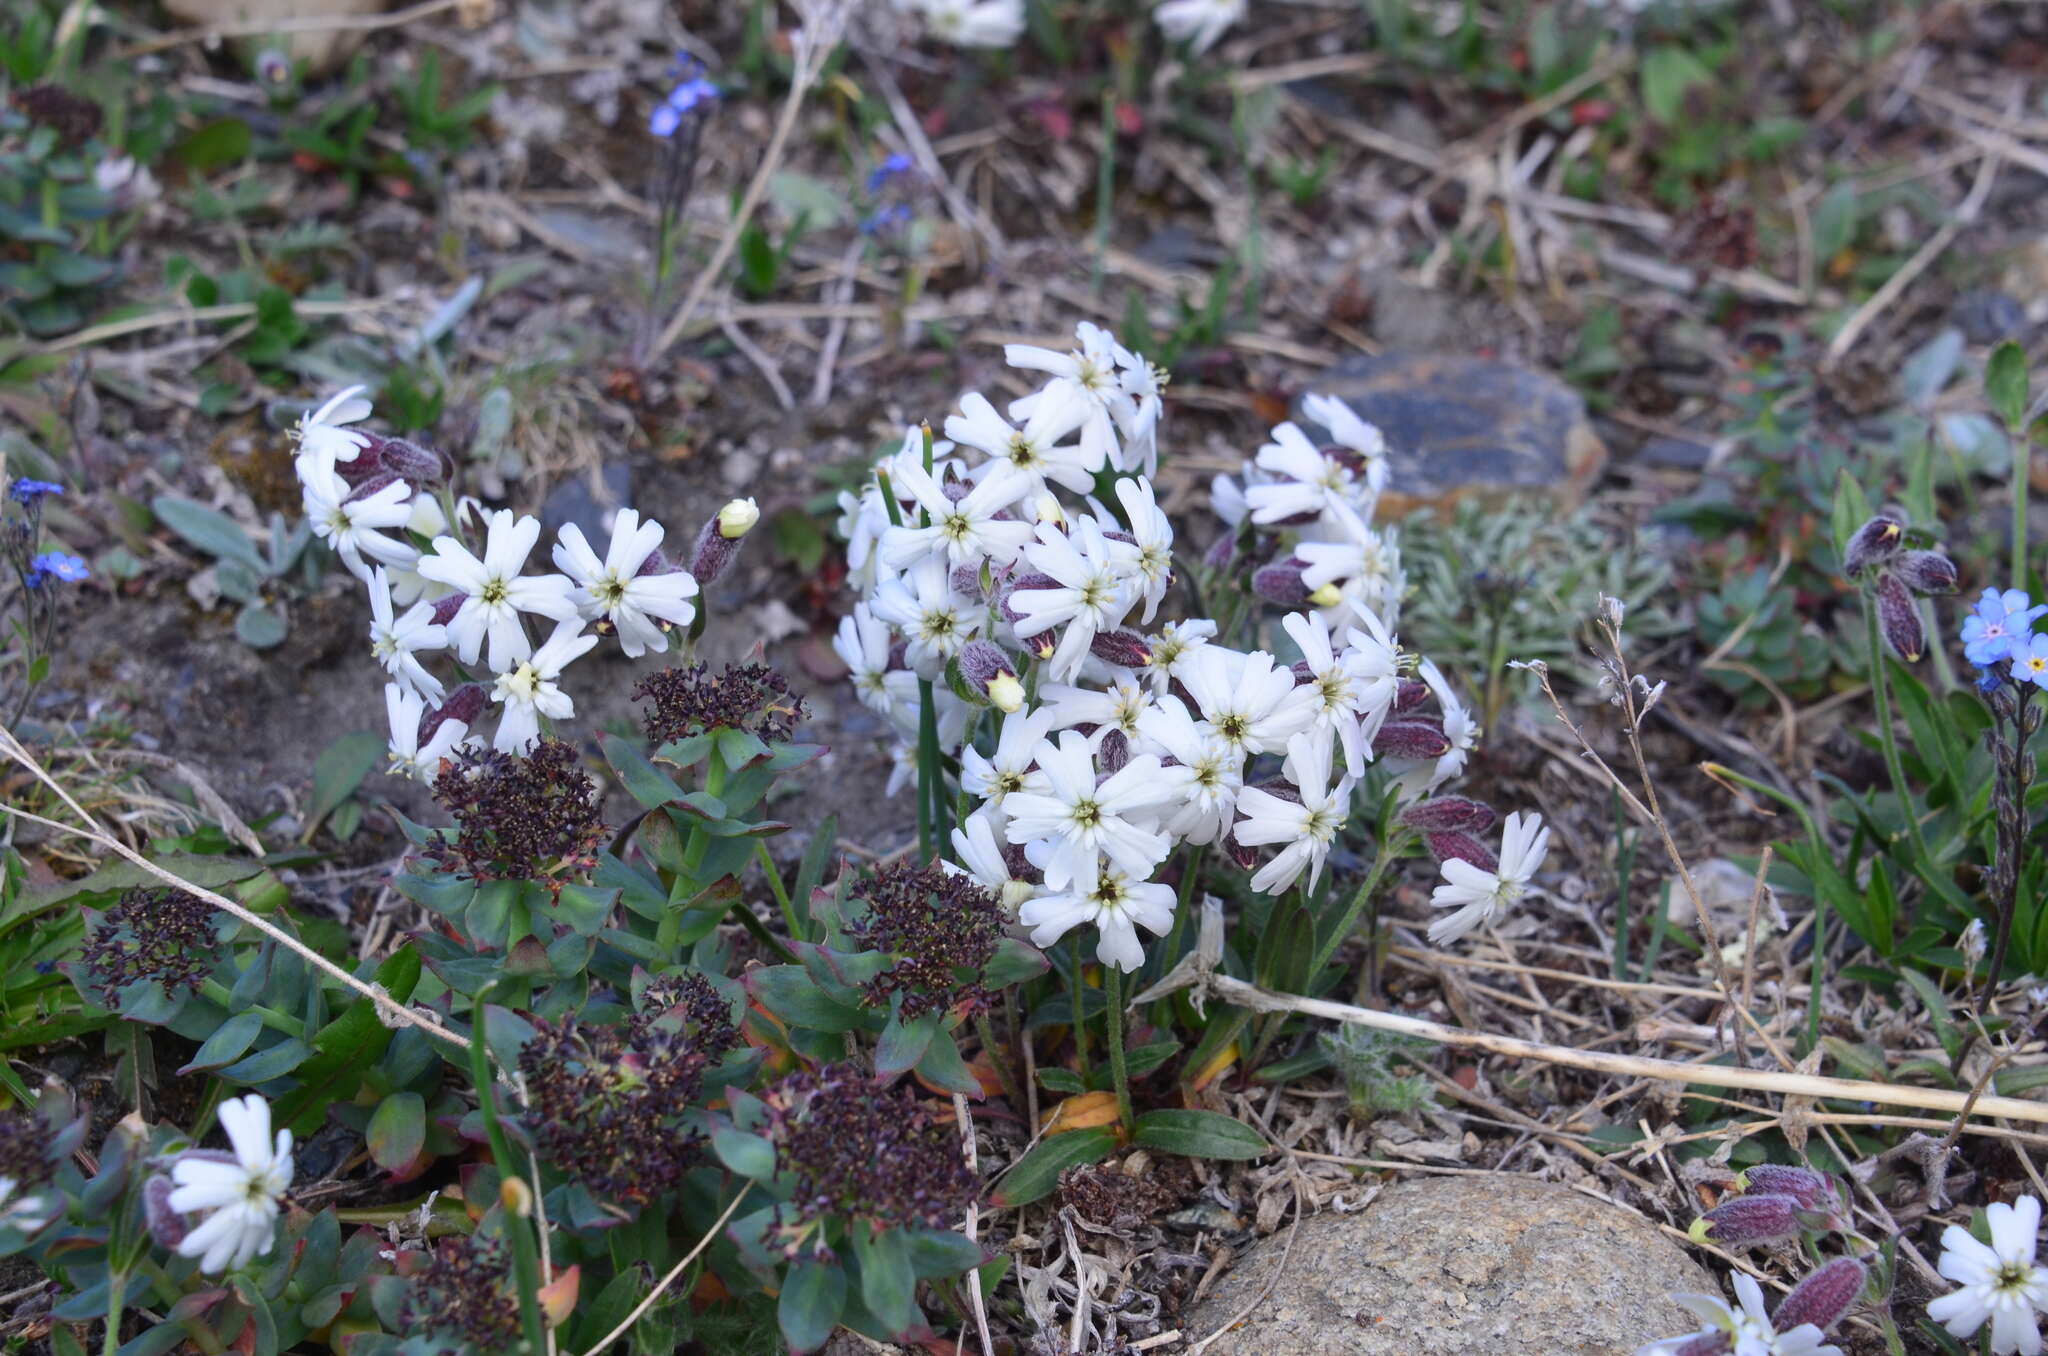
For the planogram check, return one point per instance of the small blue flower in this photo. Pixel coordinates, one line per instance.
(25, 491)
(1988, 680)
(1997, 628)
(2030, 661)
(887, 218)
(893, 167)
(56, 565)
(682, 101)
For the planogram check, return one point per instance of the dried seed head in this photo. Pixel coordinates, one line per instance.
(153, 932)
(530, 817)
(1876, 541)
(464, 1290)
(941, 927)
(687, 701)
(1824, 1297)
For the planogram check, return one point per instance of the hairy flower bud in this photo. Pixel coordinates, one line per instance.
(364, 489)
(446, 608)
(1411, 737)
(1814, 1190)
(1245, 857)
(1446, 814)
(1926, 572)
(714, 554)
(465, 703)
(1281, 583)
(1024, 583)
(985, 667)
(1898, 616)
(1876, 541)
(1410, 693)
(1747, 1220)
(737, 518)
(1221, 552)
(1125, 649)
(1114, 752)
(1823, 1298)
(166, 1226)
(411, 462)
(1454, 845)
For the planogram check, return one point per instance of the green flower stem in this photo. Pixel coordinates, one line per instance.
(931, 785)
(1327, 947)
(1077, 986)
(1880, 689)
(115, 1297)
(780, 890)
(693, 852)
(215, 991)
(1113, 994)
(2022, 463)
(525, 1259)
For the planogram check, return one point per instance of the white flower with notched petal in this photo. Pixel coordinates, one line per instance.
(1308, 827)
(1479, 895)
(354, 524)
(323, 440)
(975, 23)
(1077, 819)
(1247, 699)
(238, 1193)
(407, 712)
(396, 639)
(1091, 592)
(981, 858)
(1025, 459)
(1141, 381)
(529, 688)
(863, 643)
(994, 776)
(934, 620)
(1118, 707)
(1215, 770)
(2000, 1283)
(1173, 648)
(1197, 22)
(1151, 543)
(965, 531)
(1743, 1332)
(1359, 564)
(614, 588)
(1342, 701)
(1087, 374)
(495, 593)
(1308, 479)
(1117, 902)
(1459, 728)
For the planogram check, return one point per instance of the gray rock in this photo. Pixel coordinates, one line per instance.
(1460, 1266)
(573, 502)
(1458, 426)
(1988, 315)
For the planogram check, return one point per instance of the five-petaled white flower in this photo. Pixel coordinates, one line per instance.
(1479, 895)
(237, 1192)
(616, 589)
(323, 440)
(1112, 899)
(1025, 459)
(1215, 770)
(864, 642)
(396, 639)
(1741, 1332)
(2000, 1283)
(1252, 702)
(1076, 819)
(1151, 543)
(353, 525)
(1308, 479)
(965, 530)
(406, 710)
(935, 619)
(1308, 826)
(975, 23)
(495, 593)
(994, 776)
(1091, 592)
(529, 688)
(1087, 374)
(981, 858)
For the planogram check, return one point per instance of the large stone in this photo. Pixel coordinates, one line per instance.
(1458, 426)
(320, 49)
(1460, 1266)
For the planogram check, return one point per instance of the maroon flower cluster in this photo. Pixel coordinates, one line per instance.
(856, 1149)
(519, 818)
(939, 926)
(687, 701)
(1896, 576)
(463, 1296)
(154, 932)
(606, 1102)
(24, 1154)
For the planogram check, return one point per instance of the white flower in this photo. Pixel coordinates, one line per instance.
(1087, 375)
(1077, 819)
(1307, 827)
(1747, 1332)
(982, 860)
(737, 518)
(25, 1213)
(1151, 542)
(1227, 501)
(1347, 429)
(1091, 593)
(396, 641)
(406, 709)
(614, 588)
(1246, 699)
(353, 526)
(935, 620)
(321, 438)
(1459, 727)
(1214, 765)
(864, 642)
(1361, 564)
(1999, 1283)
(975, 23)
(528, 689)
(1024, 459)
(994, 776)
(238, 1194)
(1308, 479)
(1479, 895)
(1199, 22)
(1173, 649)
(1341, 699)
(1112, 900)
(1119, 708)
(1141, 382)
(965, 530)
(494, 591)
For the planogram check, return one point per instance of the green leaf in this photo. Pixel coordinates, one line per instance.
(643, 781)
(1015, 962)
(943, 1067)
(215, 145)
(347, 1045)
(279, 1060)
(68, 269)
(1667, 73)
(2005, 384)
(887, 1285)
(1937, 1005)
(24, 282)
(1834, 222)
(798, 539)
(942, 1252)
(747, 1154)
(812, 1298)
(227, 1043)
(1038, 1171)
(791, 994)
(338, 771)
(397, 1131)
(257, 627)
(1198, 1134)
(903, 1043)
(212, 532)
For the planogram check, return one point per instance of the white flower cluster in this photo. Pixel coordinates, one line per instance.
(990, 570)
(373, 499)
(999, 23)
(234, 1193)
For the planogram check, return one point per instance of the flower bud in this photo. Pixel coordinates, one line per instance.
(1814, 1190)
(1329, 595)
(1125, 649)
(1281, 583)
(364, 489)
(1046, 509)
(1447, 814)
(1412, 737)
(1898, 616)
(1024, 583)
(1113, 753)
(1221, 552)
(516, 1196)
(1926, 572)
(166, 1225)
(1453, 845)
(1823, 1298)
(714, 554)
(737, 519)
(465, 703)
(446, 608)
(1005, 693)
(1410, 693)
(411, 462)
(987, 669)
(1747, 1220)
(1246, 858)
(1876, 541)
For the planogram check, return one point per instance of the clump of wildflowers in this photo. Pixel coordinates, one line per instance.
(519, 816)
(856, 1150)
(939, 926)
(152, 933)
(687, 700)
(606, 1102)
(1748, 1329)
(35, 570)
(462, 1295)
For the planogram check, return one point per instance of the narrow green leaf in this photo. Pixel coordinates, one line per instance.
(339, 770)
(1038, 1171)
(2005, 384)
(749, 1155)
(212, 532)
(1198, 1134)
(903, 1043)
(227, 1044)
